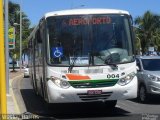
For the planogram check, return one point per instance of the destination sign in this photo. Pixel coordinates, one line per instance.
(94, 21)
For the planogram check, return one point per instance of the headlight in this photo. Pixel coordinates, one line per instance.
(60, 83)
(127, 79)
(154, 78)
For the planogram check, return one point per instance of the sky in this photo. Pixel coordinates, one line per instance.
(35, 9)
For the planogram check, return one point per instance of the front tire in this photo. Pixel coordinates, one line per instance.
(111, 104)
(142, 95)
(34, 86)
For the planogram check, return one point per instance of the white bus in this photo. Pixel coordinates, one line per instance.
(84, 55)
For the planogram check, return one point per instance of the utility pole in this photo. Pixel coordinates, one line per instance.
(20, 35)
(3, 105)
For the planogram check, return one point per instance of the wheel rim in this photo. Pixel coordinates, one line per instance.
(142, 94)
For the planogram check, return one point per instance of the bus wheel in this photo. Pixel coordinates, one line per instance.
(42, 89)
(35, 89)
(50, 106)
(142, 94)
(111, 104)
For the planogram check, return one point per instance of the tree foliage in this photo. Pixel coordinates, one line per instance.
(147, 31)
(14, 17)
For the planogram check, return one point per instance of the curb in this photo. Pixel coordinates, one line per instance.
(17, 109)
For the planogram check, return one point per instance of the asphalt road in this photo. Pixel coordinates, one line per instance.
(124, 110)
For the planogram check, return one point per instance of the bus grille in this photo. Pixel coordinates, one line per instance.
(101, 97)
(93, 83)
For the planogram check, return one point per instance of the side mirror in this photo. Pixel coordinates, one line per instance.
(137, 68)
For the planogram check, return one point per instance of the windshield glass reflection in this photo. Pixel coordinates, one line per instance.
(89, 40)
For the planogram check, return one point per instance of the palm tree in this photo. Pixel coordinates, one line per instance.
(146, 27)
(13, 12)
(14, 17)
(156, 37)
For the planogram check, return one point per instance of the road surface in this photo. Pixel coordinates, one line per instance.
(124, 110)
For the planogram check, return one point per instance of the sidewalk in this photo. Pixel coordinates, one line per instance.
(12, 107)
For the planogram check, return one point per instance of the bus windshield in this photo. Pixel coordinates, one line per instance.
(82, 40)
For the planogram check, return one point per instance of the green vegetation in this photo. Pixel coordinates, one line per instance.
(147, 31)
(14, 17)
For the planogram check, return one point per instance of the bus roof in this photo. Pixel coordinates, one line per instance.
(85, 11)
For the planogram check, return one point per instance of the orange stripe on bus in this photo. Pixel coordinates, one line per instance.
(77, 77)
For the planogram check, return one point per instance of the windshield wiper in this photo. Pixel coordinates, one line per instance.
(70, 68)
(74, 58)
(108, 61)
(91, 58)
(110, 58)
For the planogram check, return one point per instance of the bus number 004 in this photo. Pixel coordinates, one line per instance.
(113, 76)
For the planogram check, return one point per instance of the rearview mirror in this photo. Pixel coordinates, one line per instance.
(137, 68)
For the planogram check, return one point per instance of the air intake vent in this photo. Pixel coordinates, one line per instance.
(101, 97)
(93, 83)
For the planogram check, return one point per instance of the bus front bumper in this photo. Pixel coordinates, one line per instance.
(72, 95)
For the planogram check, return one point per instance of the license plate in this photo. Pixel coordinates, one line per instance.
(94, 92)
